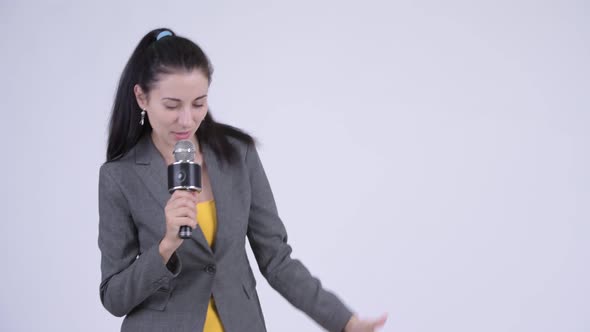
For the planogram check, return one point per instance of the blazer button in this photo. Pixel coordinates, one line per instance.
(210, 269)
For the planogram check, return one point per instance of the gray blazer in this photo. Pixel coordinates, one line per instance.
(173, 297)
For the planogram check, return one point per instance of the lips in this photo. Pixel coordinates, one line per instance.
(182, 135)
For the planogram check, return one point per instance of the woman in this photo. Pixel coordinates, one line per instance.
(159, 281)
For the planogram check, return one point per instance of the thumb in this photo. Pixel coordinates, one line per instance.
(379, 322)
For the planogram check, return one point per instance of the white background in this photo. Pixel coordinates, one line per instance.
(429, 158)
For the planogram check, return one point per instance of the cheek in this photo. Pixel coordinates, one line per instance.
(161, 120)
(201, 113)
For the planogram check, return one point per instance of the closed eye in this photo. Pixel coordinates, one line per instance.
(178, 106)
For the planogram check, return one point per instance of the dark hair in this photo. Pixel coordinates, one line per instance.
(151, 58)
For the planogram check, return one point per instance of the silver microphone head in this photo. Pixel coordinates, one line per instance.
(184, 151)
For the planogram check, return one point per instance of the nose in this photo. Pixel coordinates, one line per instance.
(185, 117)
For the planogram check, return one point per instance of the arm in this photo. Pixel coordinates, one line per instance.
(127, 279)
(288, 276)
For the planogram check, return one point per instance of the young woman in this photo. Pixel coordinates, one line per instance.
(150, 275)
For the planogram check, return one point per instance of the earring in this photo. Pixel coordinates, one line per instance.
(142, 121)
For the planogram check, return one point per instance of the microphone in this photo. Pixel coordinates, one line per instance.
(184, 174)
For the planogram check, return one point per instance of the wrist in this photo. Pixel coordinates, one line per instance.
(166, 250)
(349, 325)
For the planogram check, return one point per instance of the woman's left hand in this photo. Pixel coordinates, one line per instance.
(364, 325)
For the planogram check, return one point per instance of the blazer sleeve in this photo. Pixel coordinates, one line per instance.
(128, 275)
(268, 239)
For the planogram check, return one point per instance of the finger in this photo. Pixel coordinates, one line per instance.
(191, 222)
(177, 194)
(180, 211)
(184, 194)
(189, 203)
(185, 212)
(379, 322)
(182, 202)
(184, 221)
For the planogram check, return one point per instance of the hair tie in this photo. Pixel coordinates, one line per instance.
(163, 34)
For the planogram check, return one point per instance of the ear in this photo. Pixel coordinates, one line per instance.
(140, 96)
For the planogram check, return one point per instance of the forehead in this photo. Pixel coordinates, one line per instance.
(181, 85)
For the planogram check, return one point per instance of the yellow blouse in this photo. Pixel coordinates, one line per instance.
(207, 217)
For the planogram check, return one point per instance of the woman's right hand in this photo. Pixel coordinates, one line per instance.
(181, 210)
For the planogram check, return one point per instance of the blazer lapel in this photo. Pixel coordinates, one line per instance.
(152, 169)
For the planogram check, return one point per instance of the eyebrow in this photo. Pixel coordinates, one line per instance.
(178, 100)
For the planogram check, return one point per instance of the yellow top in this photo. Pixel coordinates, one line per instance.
(207, 217)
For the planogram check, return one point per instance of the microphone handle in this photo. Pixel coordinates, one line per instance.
(185, 232)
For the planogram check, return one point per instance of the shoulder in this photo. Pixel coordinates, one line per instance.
(247, 152)
(117, 168)
(231, 150)
(242, 147)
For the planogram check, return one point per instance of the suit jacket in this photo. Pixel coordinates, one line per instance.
(157, 297)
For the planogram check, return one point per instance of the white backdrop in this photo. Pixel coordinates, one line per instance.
(429, 158)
